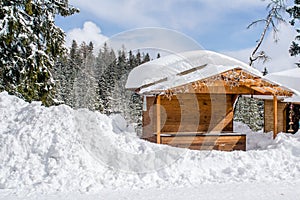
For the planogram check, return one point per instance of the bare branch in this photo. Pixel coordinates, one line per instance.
(255, 22)
(275, 6)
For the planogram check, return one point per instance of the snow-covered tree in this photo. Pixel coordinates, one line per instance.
(106, 62)
(294, 12)
(250, 112)
(30, 44)
(146, 58)
(86, 89)
(64, 73)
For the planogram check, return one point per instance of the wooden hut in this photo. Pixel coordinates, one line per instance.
(188, 99)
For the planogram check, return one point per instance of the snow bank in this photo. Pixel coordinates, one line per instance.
(59, 149)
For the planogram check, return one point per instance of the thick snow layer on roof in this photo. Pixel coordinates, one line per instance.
(174, 81)
(290, 79)
(172, 65)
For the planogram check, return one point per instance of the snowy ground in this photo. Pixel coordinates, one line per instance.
(60, 153)
(245, 191)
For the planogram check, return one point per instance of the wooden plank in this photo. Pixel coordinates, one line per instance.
(222, 142)
(158, 128)
(187, 110)
(224, 122)
(261, 90)
(204, 139)
(275, 114)
(271, 90)
(149, 118)
(192, 128)
(203, 113)
(281, 116)
(216, 89)
(215, 147)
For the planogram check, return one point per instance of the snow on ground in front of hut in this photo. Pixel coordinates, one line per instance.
(61, 153)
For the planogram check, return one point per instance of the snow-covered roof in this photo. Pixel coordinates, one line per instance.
(290, 79)
(178, 69)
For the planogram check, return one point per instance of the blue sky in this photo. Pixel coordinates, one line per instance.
(218, 25)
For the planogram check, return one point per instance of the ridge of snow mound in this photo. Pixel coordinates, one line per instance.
(60, 149)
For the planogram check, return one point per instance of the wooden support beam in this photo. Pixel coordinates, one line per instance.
(223, 123)
(272, 90)
(260, 90)
(219, 89)
(158, 128)
(275, 114)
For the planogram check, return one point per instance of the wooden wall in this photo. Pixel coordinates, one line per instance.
(281, 116)
(148, 119)
(224, 142)
(199, 113)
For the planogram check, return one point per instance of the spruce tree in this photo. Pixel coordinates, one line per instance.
(146, 58)
(250, 112)
(106, 64)
(64, 73)
(294, 12)
(86, 88)
(138, 59)
(30, 44)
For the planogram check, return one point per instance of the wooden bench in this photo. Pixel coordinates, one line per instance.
(203, 141)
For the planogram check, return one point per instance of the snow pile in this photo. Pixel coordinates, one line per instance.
(255, 140)
(60, 149)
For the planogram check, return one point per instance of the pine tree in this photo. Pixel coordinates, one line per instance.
(138, 59)
(146, 58)
(86, 88)
(106, 63)
(30, 44)
(64, 73)
(112, 91)
(294, 12)
(250, 112)
(117, 92)
(136, 112)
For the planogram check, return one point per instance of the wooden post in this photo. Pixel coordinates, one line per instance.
(158, 119)
(275, 119)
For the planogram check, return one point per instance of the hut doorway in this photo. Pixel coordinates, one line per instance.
(292, 118)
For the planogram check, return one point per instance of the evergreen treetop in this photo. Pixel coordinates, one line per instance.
(294, 12)
(30, 44)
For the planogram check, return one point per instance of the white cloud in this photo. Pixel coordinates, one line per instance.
(199, 16)
(168, 41)
(173, 14)
(89, 33)
(154, 39)
(278, 52)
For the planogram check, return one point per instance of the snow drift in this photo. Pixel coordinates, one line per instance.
(61, 149)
